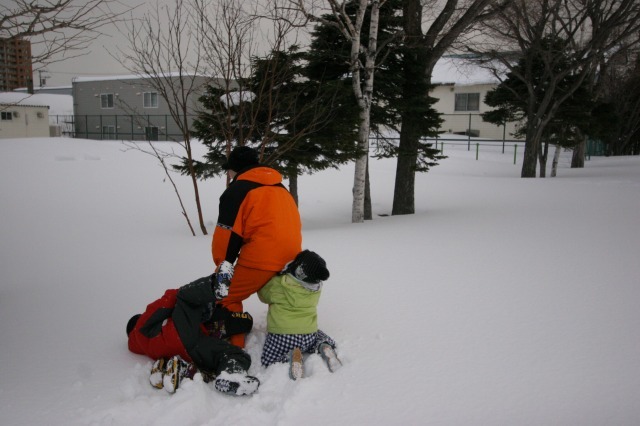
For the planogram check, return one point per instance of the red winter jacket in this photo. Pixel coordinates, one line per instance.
(154, 334)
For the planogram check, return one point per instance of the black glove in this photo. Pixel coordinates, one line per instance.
(225, 323)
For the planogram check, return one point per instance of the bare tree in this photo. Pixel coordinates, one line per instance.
(164, 158)
(242, 42)
(58, 29)
(362, 74)
(621, 87)
(169, 57)
(590, 31)
(449, 24)
(202, 44)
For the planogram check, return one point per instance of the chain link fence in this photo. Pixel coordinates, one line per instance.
(456, 129)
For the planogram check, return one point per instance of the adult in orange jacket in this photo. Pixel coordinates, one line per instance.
(258, 229)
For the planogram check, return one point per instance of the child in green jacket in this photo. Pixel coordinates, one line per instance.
(292, 320)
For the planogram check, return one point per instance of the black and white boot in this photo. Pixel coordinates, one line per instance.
(157, 373)
(233, 379)
(236, 383)
(176, 369)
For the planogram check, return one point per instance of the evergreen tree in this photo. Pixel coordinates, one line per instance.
(329, 59)
(278, 110)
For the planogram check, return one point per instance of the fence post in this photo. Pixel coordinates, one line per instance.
(86, 126)
(504, 135)
(515, 153)
(477, 150)
(469, 135)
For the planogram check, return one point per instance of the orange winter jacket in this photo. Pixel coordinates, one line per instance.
(258, 222)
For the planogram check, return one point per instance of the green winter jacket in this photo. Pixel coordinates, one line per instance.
(292, 307)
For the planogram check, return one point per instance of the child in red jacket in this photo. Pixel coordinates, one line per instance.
(184, 331)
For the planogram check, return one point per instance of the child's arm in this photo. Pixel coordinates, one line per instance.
(266, 291)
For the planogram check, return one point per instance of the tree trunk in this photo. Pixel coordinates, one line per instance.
(414, 64)
(357, 209)
(531, 146)
(556, 159)
(368, 213)
(364, 95)
(293, 185)
(544, 154)
(577, 160)
(194, 182)
(196, 191)
(404, 189)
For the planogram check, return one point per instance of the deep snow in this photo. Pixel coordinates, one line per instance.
(502, 301)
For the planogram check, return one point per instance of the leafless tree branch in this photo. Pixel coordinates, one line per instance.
(59, 29)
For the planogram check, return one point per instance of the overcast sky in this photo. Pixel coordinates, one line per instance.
(98, 59)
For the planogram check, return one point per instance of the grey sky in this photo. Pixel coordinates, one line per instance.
(96, 59)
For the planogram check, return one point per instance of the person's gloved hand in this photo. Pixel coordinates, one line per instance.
(224, 323)
(222, 280)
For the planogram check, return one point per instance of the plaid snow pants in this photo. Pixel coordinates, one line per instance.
(277, 346)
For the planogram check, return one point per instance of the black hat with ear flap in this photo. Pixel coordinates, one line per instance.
(308, 267)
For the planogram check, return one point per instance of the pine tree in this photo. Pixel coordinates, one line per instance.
(329, 59)
(293, 120)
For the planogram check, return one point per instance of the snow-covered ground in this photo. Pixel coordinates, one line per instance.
(502, 301)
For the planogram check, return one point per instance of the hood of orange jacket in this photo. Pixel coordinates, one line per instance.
(261, 174)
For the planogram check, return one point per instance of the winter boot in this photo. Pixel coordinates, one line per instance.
(329, 356)
(296, 366)
(176, 369)
(236, 383)
(157, 372)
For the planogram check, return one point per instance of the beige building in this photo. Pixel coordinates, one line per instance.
(20, 118)
(460, 88)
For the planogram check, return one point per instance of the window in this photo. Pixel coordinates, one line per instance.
(150, 100)
(6, 116)
(151, 133)
(106, 100)
(467, 102)
(108, 132)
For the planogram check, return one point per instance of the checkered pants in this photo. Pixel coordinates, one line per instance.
(277, 346)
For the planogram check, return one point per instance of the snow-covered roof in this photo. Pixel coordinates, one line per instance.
(37, 88)
(131, 77)
(58, 104)
(461, 72)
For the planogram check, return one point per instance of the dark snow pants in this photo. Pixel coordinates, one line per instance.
(208, 353)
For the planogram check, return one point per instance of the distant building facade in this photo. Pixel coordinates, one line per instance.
(23, 120)
(16, 69)
(460, 88)
(127, 108)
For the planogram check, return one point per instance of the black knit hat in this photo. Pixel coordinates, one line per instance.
(240, 158)
(308, 267)
(132, 323)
